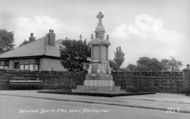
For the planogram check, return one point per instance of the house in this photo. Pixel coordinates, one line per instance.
(39, 55)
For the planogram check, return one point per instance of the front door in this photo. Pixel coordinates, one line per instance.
(16, 65)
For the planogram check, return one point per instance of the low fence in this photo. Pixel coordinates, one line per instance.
(171, 82)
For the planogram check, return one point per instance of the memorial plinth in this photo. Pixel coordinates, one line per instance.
(99, 79)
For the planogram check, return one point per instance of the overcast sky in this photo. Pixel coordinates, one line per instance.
(153, 28)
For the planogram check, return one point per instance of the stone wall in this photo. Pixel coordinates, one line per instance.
(61, 80)
(7, 75)
(171, 82)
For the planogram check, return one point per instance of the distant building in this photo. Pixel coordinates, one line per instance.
(41, 54)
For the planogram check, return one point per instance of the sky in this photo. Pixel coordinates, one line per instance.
(153, 28)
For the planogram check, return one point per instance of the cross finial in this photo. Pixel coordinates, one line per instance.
(100, 16)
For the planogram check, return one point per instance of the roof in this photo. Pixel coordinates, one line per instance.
(39, 47)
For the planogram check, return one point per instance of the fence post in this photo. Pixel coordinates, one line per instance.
(186, 79)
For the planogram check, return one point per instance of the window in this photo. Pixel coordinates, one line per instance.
(1, 67)
(31, 67)
(26, 67)
(4, 64)
(6, 67)
(28, 64)
(22, 67)
(36, 67)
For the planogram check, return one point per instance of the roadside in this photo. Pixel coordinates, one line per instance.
(161, 101)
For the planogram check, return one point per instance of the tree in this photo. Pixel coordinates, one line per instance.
(6, 41)
(152, 64)
(75, 54)
(113, 65)
(148, 64)
(171, 64)
(131, 67)
(119, 57)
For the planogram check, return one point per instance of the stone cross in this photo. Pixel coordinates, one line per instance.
(100, 16)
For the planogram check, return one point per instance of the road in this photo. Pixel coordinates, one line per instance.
(15, 107)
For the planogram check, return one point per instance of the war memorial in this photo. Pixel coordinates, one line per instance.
(99, 79)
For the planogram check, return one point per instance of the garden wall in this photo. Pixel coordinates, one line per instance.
(171, 82)
(61, 80)
(7, 75)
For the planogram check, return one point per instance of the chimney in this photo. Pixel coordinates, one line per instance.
(51, 38)
(32, 38)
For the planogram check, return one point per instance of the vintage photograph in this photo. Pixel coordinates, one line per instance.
(94, 59)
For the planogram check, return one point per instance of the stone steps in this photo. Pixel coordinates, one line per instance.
(98, 83)
(99, 89)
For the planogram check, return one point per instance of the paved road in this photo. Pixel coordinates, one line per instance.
(15, 107)
(159, 101)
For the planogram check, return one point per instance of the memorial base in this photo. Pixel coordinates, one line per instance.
(99, 81)
(99, 90)
(99, 87)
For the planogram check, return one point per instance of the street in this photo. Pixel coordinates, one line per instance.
(17, 107)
